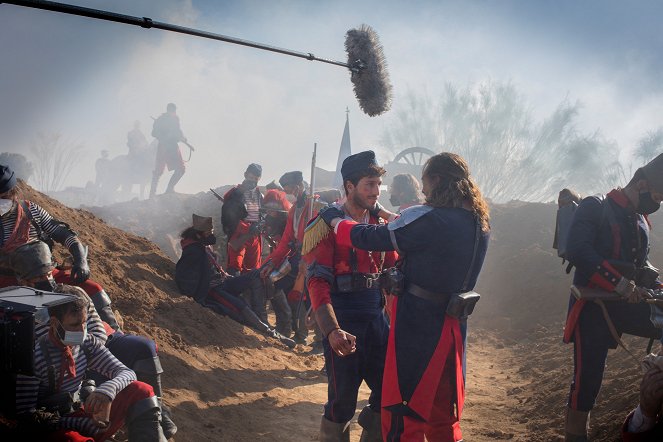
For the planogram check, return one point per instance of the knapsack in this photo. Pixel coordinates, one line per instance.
(567, 203)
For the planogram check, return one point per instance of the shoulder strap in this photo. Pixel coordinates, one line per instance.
(477, 234)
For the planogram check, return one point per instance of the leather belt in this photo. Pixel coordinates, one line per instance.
(356, 281)
(426, 294)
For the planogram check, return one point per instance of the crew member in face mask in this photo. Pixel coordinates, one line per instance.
(33, 266)
(241, 212)
(23, 222)
(62, 357)
(609, 244)
(199, 275)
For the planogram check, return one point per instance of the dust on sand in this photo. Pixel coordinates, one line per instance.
(225, 382)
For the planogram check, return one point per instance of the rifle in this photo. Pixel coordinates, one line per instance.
(219, 197)
(594, 294)
(255, 230)
(301, 276)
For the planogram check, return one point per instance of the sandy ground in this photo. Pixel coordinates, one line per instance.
(225, 382)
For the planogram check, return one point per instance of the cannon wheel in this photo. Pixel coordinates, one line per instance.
(416, 156)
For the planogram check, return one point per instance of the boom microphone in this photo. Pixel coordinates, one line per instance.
(366, 61)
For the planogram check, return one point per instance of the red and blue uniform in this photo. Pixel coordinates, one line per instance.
(599, 238)
(423, 385)
(239, 212)
(359, 310)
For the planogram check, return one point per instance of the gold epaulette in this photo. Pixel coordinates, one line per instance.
(315, 232)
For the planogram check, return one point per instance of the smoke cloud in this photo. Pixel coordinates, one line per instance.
(90, 80)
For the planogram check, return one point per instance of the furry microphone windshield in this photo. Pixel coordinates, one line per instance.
(365, 56)
(368, 68)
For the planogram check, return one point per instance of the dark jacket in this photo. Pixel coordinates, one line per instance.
(233, 210)
(601, 236)
(193, 271)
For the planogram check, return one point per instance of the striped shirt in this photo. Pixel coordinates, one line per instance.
(45, 221)
(252, 201)
(30, 390)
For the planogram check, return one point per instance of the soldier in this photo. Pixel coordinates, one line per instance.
(199, 275)
(241, 212)
(102, 167)
(275, 208)
(136, 141)
(443, 244)
(289, 249)
(608, 243)
(404, 191)
(167, 130)
(349, 308)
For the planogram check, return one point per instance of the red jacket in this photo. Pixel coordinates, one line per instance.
(290, 236)
(330, 259)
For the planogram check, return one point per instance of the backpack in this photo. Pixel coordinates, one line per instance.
(158, 129)
(567, 203)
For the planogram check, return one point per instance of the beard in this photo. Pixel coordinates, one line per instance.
(364, 203)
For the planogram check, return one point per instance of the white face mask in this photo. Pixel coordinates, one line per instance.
(5, 206)
(72, 338)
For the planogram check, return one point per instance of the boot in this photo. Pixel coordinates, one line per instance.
(333, 432)
(257, 299)
(577, 425)
(153, 186)
(154, 380)
(252, 320)
(371, 425)
(301, 332)
(102, 304)
(283, 313)
(167, 425)
(177, 175)
(143, 421)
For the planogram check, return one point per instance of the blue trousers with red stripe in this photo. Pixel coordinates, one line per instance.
(592, 339)
(360, 314)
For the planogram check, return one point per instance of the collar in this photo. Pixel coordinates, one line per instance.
(187, 242)
(619, 197)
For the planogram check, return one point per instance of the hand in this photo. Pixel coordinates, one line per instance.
(255, 229)
(98, 405)
(266, 270)
(80, 271)
(376, 210)
(639, 294)
(625, 288)
(330, 213)
(651, 393)
(342, 343)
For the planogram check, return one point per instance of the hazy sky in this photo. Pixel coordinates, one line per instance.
(90, 79)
